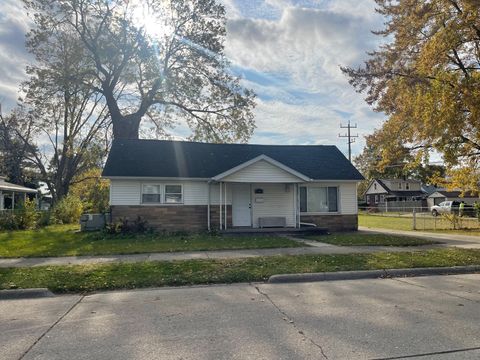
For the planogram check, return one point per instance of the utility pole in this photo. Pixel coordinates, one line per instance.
(351, 138)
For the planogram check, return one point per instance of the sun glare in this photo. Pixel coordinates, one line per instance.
(152, 20)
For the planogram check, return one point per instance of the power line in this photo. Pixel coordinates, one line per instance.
(351, 138)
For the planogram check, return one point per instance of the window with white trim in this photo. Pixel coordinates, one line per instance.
(173, 194)
(151, 194)
(319, 199)
(407, 186)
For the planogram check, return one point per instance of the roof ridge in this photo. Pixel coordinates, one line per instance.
(220, 144)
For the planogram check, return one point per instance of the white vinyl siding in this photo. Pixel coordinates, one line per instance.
(128, 192)
(262, 171)
(276, 200)
(125, 192)
(348, 198)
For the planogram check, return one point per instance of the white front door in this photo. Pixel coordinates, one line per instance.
(241, 214)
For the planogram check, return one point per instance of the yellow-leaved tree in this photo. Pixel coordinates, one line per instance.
(426, 78)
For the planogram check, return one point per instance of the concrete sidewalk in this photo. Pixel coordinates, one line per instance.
(452, 240)
(314, 248)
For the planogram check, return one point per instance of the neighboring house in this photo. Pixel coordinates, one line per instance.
(11, 195)
(177, 185)
(443, 195)
(394, 192)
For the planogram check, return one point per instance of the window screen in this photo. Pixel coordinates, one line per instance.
(151, 194)
(173, 194)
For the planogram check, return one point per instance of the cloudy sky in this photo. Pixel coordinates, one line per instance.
(288, 51)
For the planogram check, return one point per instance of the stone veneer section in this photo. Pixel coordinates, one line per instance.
(172, 217)
(333, 222)
(194, 217)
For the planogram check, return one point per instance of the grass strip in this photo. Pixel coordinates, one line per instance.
(87, 278)
(65, 240)
(356, 239)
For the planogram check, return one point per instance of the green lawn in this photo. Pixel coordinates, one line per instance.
(405, 223)
(89, 278)
(355, 239)
(65, 240)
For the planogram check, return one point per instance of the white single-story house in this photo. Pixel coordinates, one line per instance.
(12, 195)
(179, 185)
(440, 196)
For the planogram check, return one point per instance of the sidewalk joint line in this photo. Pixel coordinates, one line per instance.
(51, 327)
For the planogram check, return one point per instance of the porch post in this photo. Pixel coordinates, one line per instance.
(220, 202)
(295, 203)
(208, 206)
(13, 200)
(24, 198)
(225, 202)
(1, 200)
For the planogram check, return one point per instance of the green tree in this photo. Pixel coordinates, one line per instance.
(372, 164)
(426, 78)
(93, 191)
(67, 120)
(159, 59)
(14, 163)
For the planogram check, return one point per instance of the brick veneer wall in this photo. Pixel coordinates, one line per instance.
(173, 217)
(333, 222)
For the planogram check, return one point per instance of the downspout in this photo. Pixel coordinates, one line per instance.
(225, 203)
(208, 205)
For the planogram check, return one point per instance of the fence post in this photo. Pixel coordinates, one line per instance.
(414, 219)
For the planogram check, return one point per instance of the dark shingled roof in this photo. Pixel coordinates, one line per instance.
(161, 158)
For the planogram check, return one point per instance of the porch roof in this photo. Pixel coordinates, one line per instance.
(6, 186)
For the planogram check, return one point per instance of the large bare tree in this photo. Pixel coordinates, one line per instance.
(160, 60)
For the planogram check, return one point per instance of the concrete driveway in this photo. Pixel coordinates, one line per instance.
(412, 318)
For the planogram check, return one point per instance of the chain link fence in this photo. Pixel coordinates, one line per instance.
(420, 218)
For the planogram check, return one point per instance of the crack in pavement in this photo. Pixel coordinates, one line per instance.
(51, 327)
(439, 291)
(428, 354)
(290, 320)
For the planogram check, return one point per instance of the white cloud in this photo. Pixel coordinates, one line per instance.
(304, 47)
(13, 55)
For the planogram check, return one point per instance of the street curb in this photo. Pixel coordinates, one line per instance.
(16, 294)
(371, 274)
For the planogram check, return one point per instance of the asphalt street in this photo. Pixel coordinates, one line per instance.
(434, 317)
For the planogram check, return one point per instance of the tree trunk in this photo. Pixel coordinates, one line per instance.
(126, 127)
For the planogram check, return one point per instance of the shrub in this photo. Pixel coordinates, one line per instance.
(125, 226)
(46, 218)
(476, 208)
(453, 219)
(68, 210)
(7, 221)
(26, 216)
